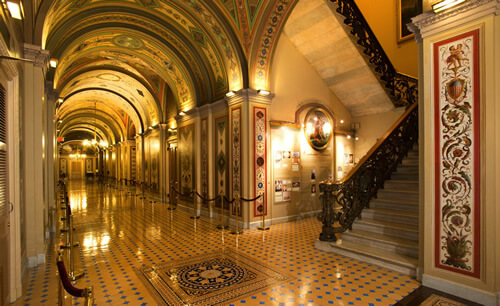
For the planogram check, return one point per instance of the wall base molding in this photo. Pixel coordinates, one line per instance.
(34, 261)
(465, 292)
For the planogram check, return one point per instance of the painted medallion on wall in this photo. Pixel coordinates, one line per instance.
(318, 129)
(456, 112)
(260, 121)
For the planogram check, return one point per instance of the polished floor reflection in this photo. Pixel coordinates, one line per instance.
(118, 232)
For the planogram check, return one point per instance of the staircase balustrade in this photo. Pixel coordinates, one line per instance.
(343, 200)
(402, 88)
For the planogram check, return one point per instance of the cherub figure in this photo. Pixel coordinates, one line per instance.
(455, 58)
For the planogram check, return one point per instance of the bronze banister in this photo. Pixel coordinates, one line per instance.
(344, 200)
(402, 88)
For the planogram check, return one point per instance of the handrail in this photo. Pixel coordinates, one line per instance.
(344, 200)
(378, 143)
(402, 88)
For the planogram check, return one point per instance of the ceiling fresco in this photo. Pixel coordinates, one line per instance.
(140, 61)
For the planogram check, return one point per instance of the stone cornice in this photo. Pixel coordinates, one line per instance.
(431, 23)
(249, 95)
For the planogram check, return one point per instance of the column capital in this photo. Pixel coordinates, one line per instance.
(36, 54)
(431, 23)
(250, 95)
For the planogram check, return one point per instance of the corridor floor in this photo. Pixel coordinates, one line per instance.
(118, 233)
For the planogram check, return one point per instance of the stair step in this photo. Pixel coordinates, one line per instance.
(404, 168)
(406, 231)
(402, 184)
(404, 217)
(383, 242)
(396, 262)
(399, 205)
(398, 194)
(412, 161)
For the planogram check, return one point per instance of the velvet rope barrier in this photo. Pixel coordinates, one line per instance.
(204, 199)
(251, 200)
(183, 195)
(229, 202)
(63, 274)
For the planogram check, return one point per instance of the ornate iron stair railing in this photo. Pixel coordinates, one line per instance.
(343, 200)
(402, 88)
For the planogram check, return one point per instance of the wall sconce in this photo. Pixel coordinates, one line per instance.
(60, 100)
(263, 92)
(230, 94)
(341, 121)
(15, 8)
(181, 113)
(53, 63)
(445, 4)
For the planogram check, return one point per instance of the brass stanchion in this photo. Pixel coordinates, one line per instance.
(263, 212)
(73, 275)
(170, 206)
(195, 210)
(237, 231)
(222, 225)
(60, 288)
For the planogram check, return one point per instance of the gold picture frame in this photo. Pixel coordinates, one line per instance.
(406, 9)
(318, 129)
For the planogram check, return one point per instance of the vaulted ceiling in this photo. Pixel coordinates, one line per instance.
(126, 65)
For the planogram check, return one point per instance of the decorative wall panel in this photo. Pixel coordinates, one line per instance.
(260, 142)
(147, 161)
(456, 114)
(186, 159)
(236, 153)
(221, 156)
(204, 159)
(154, 151)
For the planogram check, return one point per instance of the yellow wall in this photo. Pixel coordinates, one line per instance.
(295, 82)
(381, 16)
(372, 127)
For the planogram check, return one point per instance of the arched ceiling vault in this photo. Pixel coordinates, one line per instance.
(126, 55)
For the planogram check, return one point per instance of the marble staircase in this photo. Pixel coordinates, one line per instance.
(387, 232)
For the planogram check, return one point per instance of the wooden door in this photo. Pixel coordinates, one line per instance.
(4, 205)
(76, 170)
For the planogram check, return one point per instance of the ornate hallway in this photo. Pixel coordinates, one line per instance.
(119, 233)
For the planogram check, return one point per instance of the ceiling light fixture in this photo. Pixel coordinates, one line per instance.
(445, 4)
(15, 8)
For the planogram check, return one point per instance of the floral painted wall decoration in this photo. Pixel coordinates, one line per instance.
(456, 115)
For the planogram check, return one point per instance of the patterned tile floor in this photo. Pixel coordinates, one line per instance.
(119, 232)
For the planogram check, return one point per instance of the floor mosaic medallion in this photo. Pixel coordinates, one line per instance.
(209, 279)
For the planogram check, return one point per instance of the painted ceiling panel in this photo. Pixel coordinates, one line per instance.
(123, 47)
(120, 83)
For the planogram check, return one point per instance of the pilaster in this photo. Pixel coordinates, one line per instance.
(459, 72)
(34, 108)
(248, 113)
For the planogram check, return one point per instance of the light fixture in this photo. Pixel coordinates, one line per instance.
(230, 94)
(53, 63)
(263, 92)
(60, 121)
(357, 138)
(15, 8)
(341, 121)
(348, 136)
(181, 113)
(60, 100)
(445, 4)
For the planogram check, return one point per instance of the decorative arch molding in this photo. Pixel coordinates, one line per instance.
(115, 93)
(264, 48)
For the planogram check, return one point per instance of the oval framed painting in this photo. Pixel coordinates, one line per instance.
(318, 129)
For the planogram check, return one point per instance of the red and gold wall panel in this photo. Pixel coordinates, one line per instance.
(457, 143)
(260, 164)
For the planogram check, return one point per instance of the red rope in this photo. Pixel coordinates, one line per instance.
(66, 282)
